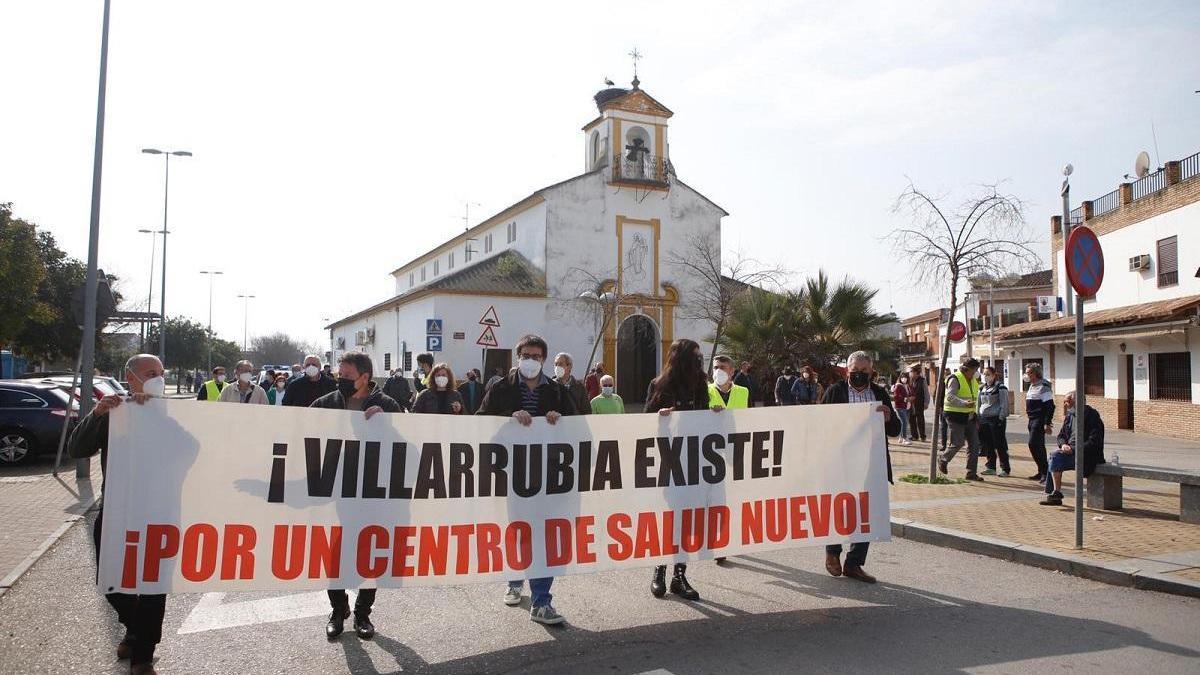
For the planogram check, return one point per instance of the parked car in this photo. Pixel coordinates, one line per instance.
(102, 385)
(32, 415)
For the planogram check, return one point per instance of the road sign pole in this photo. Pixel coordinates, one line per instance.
(1080, 401)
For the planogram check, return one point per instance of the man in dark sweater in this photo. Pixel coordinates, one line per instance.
(397, 387)
(142, 615)
(310, 386)
(527, 393)
(1064, 458)
(355, 391)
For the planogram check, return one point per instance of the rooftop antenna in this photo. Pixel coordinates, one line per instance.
(636, 56)
(1154, 135)
(467, 214)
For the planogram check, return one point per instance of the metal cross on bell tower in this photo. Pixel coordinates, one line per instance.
(636, 56)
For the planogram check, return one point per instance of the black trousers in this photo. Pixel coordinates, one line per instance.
(1037, 443)
(857, 557)
(917, 421)
(995, 443)
(338, 599)
(142, 615)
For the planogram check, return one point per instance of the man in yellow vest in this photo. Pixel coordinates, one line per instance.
(211, 390)
(723, 393)
(960, 406)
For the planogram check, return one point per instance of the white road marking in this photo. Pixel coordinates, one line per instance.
(657, 671)
(211, 613)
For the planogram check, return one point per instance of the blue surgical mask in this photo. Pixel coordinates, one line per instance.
(607, 391)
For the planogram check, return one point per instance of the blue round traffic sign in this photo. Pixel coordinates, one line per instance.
(1085, 261)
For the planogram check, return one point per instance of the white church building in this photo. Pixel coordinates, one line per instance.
(582, 259)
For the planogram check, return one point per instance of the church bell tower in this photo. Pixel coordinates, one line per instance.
(629, 138)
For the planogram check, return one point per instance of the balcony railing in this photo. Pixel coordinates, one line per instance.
(914, 348)
(1189, 167)
(648, 169)
(1148, 185)
(1109, 202)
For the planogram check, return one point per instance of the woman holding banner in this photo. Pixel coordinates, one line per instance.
(442, 397)
(683, 385)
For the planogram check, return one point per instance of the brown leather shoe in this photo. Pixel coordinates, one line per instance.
(855, 572)
(143, 669)
(124, 650)
(833, 564)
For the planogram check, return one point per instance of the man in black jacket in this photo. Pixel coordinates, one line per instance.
(310, 386)
(858, 388)
(527, 393)
(471, 392)
(1064, 458)
(142, 615)
(397, 387)
(921, 390)
(355, 391)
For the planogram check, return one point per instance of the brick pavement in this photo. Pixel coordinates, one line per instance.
(36, 504)
(1146, 533)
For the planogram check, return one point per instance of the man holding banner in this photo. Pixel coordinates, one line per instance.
(142, 615)
(527, 393)
(355, 391)
(858, 388)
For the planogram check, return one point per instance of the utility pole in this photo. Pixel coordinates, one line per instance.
(1068, 303)
(162, 321)
(211, 274)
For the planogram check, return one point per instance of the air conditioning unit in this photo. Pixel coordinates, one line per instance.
(1139, 262)
(360, 337)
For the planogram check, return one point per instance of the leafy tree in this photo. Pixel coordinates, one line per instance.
(21, 273)
(224, 353)
(839, 319)
(187, 343)
(763, 328)
(278, 348)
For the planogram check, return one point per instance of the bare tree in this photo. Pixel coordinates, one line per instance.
(717, 284)
(592, 295)
(986, 235)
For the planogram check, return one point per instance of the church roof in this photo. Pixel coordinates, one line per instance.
(631, 100)
(508, 273)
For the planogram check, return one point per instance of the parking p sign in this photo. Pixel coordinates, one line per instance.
(433, 343)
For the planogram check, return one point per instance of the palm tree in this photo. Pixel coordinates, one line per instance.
(840, 320)
(762, 327)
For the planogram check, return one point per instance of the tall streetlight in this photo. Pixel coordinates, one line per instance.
(162, 322)
(150, 293)
(1066, 228)
(245, 319)
(211, 274)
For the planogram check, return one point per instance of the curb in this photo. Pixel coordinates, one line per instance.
(9, 581)
(1118, 574)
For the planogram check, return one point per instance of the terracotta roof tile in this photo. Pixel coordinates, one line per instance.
(1146, 312)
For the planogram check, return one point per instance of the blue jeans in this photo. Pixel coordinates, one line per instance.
(903, 415)
(857, 557)
(539, 590)
(1058, 462)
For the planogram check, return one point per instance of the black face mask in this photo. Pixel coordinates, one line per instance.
(346, 387)
(859, 379)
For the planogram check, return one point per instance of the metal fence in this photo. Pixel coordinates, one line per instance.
(1190, 167)
(646, 168)
(1109, 202)
(1076, 216)
(1149, 185)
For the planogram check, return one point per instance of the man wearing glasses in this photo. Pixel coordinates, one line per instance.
(524, 394)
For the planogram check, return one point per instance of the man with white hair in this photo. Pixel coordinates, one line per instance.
(1064, 459)
(142, 615)
(858, 388)
(563, 365)
(608, 402)
(311, 386)
(244, 390)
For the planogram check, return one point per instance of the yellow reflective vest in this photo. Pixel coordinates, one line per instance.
(739, 397)
(967, 389)
(211, 391)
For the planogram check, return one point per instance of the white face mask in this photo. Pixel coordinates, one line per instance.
(155, 386)
(529, 368)
(559, 371)
(244, 378)
(720, 377)
(441, 380)
(607, 391)
(221, 378)
(311, 371)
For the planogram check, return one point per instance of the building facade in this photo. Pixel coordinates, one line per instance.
(585, 263)
(1142, 340)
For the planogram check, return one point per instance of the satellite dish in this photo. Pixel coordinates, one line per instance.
(1068, 170)
(1141, 167)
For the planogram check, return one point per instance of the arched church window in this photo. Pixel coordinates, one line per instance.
(636, 159)
(595, 154)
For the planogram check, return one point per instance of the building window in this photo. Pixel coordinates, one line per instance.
(1093, 375)
(387, 360)
(422, 273)
(435, 267)
(450, 261)
(1168, 261)
(512, 232)
(411, 279)
(407, 361)
(467, 251)
(1171, 376)
(487, 243)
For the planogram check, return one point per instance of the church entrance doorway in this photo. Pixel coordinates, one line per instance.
(637, 357)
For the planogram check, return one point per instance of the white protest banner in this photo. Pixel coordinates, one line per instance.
(228, 497)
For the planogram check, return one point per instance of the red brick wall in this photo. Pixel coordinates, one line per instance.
(1175, 419)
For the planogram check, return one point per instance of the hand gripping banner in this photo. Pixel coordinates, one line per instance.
(224, 497)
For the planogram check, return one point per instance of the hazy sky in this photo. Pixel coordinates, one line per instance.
(335, 141)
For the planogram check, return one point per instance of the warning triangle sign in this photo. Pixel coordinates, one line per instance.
(487, 338)
(489, 317)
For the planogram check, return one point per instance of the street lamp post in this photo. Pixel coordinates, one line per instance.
(211, 274)
(245, 319)
(162, 321)
(1069, 305)
(150, 293)
(606, 301)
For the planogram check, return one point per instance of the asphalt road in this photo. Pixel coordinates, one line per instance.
(934, 610)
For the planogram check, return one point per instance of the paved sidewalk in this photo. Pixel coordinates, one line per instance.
(1146, 535)
(38, 507)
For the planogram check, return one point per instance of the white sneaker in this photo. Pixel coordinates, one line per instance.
(1002, 473)
(546, 615)
(512, 596)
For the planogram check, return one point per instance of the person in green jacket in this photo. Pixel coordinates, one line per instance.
(608, 402)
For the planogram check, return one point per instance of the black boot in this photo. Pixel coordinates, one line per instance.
(658, 585)
(680, 585)
(363, 626)
(337, 622)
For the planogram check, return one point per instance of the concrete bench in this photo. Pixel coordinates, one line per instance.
(1105, 484)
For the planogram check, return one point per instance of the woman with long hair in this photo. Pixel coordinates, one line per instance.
(683, 385)
(442, 397)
